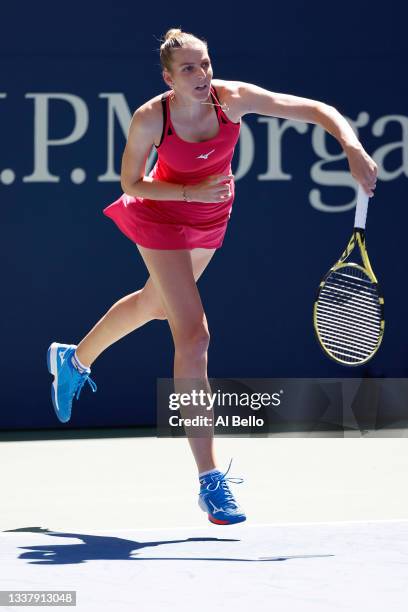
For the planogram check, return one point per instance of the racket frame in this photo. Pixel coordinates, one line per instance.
(357, 238)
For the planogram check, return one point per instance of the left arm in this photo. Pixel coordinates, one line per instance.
(248, 98)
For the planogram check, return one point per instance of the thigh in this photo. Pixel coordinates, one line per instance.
(200, 258)
(173, 275)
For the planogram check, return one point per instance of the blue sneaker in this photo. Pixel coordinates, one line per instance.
(216, 499)
(68, 381)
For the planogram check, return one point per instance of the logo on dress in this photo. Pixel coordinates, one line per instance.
(205, 155)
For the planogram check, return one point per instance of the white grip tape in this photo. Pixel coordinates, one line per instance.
(361, 209)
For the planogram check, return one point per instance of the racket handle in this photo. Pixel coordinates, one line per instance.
(361, 209)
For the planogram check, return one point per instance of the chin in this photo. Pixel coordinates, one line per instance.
(202, 94)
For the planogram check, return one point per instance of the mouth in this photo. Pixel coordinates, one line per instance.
(201, 87)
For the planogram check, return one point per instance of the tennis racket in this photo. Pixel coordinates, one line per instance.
(348, 313)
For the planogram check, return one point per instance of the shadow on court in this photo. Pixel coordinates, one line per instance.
(111, 548)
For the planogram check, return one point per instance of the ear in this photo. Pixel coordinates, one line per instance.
(167, 78)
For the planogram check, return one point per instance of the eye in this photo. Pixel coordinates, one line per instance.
(187, 68)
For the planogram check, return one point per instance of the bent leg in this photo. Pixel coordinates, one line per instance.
(131, 312)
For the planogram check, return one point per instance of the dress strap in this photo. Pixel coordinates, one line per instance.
(220, 113)
(166, 117)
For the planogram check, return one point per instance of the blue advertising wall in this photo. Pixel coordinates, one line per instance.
(70, 80)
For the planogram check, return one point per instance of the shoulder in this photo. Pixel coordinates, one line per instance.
(227, 88)
(147, 119)
(231, 93)
(244, 98)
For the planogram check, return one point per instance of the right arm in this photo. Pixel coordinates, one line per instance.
(145, 126)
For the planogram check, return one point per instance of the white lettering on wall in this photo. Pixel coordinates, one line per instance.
(328, 171)
(274, 148)
(382, 152)
(117, 107)
(323, 176)
(42, 142)
(246, 151)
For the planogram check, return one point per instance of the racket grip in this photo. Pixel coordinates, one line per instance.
(361, 209)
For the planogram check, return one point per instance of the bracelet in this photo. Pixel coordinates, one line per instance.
(185, 198)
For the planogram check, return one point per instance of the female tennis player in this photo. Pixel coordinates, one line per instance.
(177, 216)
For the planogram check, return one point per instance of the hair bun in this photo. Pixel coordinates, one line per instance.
(172, 33)
(175, 38)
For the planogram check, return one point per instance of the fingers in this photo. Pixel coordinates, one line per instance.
(372, 178)
(219, 178)
(367, 176)
(369, 183)
(364, 170)
(223, 192)
(368, 189)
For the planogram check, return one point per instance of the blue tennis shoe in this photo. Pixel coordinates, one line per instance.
(216, 499)
(68, 381)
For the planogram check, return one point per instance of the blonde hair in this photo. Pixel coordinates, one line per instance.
(174, 39)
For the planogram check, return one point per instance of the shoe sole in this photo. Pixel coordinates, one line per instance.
(52, 355)
(216, 521)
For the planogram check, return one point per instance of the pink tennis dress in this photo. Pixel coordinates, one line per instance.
(173, 224)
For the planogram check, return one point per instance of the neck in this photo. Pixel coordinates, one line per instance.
(192, 108)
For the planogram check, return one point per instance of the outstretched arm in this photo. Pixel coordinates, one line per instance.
(250, 98)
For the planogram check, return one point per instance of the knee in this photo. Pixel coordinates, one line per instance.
(153, 305)
(193, 341)
(158, 313)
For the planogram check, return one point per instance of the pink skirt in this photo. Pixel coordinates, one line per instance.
(171, 225)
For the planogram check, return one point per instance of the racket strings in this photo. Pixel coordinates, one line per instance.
(369, 330)
(354, 307)
(347, 288)
(349, 330)
(360, 294)
(349, 315)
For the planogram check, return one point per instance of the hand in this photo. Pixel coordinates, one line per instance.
(215, 188)
(363, 168)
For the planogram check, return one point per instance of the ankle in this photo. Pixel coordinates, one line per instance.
(208, 472)
(82, 359)
(79, 365)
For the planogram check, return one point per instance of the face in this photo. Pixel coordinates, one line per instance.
(191, 72)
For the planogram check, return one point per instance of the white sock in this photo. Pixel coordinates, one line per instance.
(208, 472)
(78, 365)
